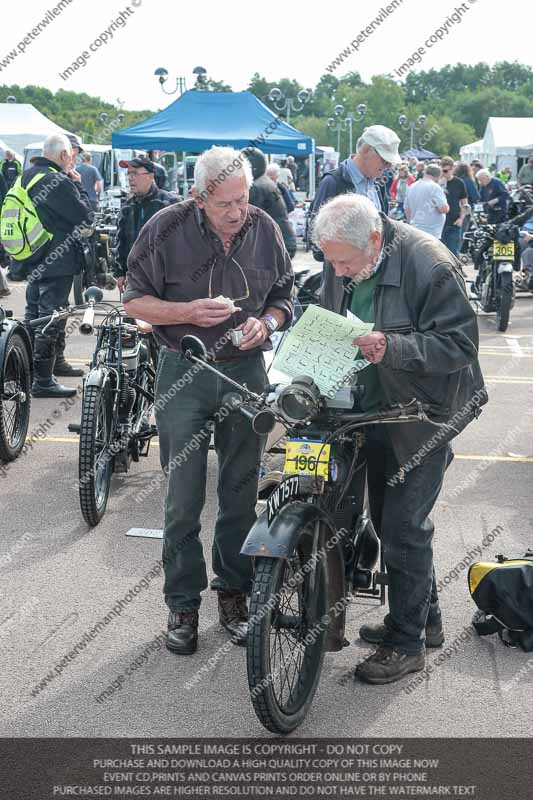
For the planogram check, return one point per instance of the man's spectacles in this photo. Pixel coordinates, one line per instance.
(234, 299)
(134, 174)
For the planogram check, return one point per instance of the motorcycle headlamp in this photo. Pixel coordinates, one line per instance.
(299, 402)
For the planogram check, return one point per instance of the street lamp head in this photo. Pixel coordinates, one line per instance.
(199, 71)
(274, 94)
(339, 109)
(121, 118)
(402, 119)
(361, 110)
(162, 73)
(11, 99)
(422, 120)
(103, 117)
(331, 122)
(304, 95)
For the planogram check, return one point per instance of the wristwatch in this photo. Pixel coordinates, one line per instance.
(271, 323)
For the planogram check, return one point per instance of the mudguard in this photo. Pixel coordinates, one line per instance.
(7, 329)
(279, 540)
(97, 376)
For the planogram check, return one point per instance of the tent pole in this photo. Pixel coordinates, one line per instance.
(311, 175)
(185, 182)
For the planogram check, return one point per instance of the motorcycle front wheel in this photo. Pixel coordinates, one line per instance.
(96, 459)
(15, 400)
(505, 301)
(286, 635)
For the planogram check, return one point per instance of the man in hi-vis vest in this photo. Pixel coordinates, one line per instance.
(62, 206)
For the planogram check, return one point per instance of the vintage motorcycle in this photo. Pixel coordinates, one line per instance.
(313, 543)
(96, 248)
(16, 366)
(117, 400)
(495, 252)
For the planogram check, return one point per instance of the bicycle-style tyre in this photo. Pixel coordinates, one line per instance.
(15, 401)
(95, 459)
(505, 301)
(287, 632)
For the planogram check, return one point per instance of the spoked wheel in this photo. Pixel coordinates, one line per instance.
(505, 301)
(286, 636)
(15, 401)
(96, 459)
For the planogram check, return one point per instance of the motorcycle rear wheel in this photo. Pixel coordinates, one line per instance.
(287, 635)
(505, 301)
(15, 400)
(95, 459)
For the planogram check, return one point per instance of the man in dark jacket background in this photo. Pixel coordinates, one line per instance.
(146, 200)
(62, 206)
(10, 168)
(265, 194)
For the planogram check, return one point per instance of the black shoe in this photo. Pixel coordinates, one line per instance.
(5, 292)
(65, 370)
(233, 615)
(374, 634)
(387, 665)
(51, 389)
(182, 634)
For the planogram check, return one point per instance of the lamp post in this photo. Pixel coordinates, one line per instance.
(412, 125)
(338, 124)
(200, 84)
(283, 103)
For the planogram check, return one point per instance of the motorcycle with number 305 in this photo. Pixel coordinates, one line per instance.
(313, 544)
(117, 398)
(495, 252)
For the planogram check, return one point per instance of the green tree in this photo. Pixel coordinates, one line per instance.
(474, 108)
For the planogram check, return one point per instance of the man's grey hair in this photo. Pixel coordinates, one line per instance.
(273, 169)
(54, 146)
(433, 170)
(86, 156)
(348, 218)
(483, 173)
(218, 164)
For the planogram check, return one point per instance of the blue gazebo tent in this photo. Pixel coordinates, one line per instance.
(198, 120)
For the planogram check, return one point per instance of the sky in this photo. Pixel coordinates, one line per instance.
(234, 40)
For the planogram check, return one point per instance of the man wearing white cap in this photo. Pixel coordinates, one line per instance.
(376, 151)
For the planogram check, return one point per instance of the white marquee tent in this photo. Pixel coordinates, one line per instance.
(21, 123)
(504, 142)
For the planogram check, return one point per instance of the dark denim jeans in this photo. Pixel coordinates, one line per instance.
(400, 514)
(43, 297)
(451, 237)
(190, 398)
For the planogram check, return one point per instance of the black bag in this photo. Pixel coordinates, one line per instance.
(503, 592)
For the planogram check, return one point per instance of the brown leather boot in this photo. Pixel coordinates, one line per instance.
(233, 615)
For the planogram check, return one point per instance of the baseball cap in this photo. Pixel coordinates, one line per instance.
(75, 141)
(384, 140)
(139, 163)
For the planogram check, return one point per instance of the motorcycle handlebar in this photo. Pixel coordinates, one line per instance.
(34, 323)
(87, 323)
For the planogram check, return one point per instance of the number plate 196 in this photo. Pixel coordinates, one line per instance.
(286, 491)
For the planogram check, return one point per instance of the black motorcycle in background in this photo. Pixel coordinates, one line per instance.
(495, 251)
(16, 365)
(96, 249)
(117, 400)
